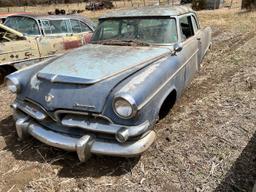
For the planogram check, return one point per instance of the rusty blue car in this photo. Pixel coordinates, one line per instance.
(104, 98)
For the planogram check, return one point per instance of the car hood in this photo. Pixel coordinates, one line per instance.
(83, 79)
(93, 63)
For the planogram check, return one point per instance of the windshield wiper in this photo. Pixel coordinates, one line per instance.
(123, 42)
(136, 41)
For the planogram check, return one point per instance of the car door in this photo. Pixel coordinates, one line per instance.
(190, 47)
(52, 41)
(203, 36)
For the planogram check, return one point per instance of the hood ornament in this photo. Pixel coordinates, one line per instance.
(48, 98)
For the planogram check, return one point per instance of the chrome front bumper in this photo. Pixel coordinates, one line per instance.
(84, 146)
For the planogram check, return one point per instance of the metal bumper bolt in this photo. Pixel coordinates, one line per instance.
(122, 135)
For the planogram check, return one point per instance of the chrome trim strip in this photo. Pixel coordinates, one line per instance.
(36, 114)
(57, 112)
(40, 106)
(55, 117)
(133, 131)
(165, 83)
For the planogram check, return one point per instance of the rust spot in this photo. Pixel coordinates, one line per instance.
(27, 54)
(72, 44)
(87, 37)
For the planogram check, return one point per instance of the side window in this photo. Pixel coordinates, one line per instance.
(186, 27)
(195, 25)
(76, 28)
(107, 30)
(47, 27)
(84, 27)
(55, 26)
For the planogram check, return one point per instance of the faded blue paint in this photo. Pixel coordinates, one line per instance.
(149, 84)
(96, 62)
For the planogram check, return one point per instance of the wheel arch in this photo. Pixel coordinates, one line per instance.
(6, 70)
(167, 101)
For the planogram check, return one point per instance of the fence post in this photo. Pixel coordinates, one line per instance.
(230, 4)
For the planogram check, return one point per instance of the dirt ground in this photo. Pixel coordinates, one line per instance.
(206, 143)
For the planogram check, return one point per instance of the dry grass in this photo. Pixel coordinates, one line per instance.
(42, 9)
(207, 142)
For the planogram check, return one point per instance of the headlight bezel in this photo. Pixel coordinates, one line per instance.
(12, 81)
(130, 100)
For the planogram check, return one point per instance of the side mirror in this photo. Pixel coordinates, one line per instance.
(177, 47)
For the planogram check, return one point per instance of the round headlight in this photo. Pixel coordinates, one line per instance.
(125, 107)
(13, 85)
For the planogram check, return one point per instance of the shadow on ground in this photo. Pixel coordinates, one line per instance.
(33, 150)
(242, 175)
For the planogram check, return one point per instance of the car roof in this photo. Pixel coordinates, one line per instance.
(149, 11)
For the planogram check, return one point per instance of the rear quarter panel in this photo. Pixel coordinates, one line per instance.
(206, 40)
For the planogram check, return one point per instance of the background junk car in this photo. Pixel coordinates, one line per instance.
(136, 66)
(24, 39)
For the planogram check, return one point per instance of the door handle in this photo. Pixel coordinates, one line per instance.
(198, 38)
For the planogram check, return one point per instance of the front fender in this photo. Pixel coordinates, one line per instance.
(149, 87)
(24, 75)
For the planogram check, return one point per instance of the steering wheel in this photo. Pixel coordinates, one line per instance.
(5, 36)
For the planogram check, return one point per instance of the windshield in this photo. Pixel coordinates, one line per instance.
(159, 30)
(25, 25)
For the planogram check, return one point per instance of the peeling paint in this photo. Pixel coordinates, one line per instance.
(116, 60)
(34, 83)
(139, 79)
